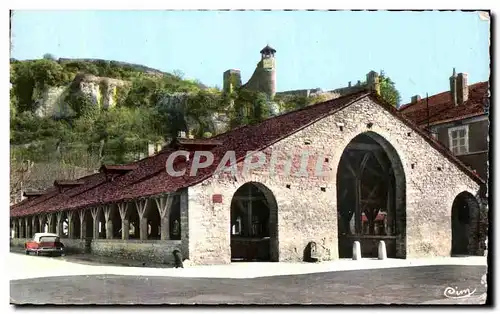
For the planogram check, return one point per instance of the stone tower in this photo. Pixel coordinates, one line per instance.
(269, 75)
(231, 81)
(264, 77)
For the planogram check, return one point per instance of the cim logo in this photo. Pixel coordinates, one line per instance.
(455, 293)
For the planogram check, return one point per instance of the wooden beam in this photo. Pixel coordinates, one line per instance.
(363, 146)
(363, 164)
(351, 169)
(378, 156)
(373, 171)
(357, 207)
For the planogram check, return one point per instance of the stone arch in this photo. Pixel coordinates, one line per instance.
(88, 224)
(116, 222)
(76, 225)
(101, 223)
(371, 197)
(465, 213)
(46, 226)
(254, 223)
(36, 225)
(29, 231)
(134, 221)
(152, 214)
(64, 231)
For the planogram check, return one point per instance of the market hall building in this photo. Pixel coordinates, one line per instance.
(386, 179)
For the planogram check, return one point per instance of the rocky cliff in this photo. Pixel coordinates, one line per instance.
(101, 91)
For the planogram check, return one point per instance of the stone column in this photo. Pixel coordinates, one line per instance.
(83, 224)
(122, 209)
(71, 229)
(50, 221)
(141, 206)
(109, 221)
(59, 224)
(184, 202)
(164, 205)
(95, 217)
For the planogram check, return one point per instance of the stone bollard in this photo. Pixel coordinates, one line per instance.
(356, 251)
(382, 251)
(178, 259)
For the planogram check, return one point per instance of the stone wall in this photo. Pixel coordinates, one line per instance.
(19, 242)
(76, 245)
(156, 251)
(307, 206)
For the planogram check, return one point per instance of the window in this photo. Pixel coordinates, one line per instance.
(459, 139)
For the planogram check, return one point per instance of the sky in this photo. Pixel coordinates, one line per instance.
(315, 49)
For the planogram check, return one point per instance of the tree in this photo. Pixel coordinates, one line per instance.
(250, 107)
(178, 74)
(49, 56)
(388, 90)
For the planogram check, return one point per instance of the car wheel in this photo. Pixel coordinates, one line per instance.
(37, 253)
(27, 252)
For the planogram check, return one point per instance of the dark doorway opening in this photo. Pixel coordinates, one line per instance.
(253, 224)
(464, 225)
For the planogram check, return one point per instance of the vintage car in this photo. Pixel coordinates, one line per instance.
(45, 243)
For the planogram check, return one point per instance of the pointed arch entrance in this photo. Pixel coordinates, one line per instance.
(254, 229)
(464, 225)
(371, 197)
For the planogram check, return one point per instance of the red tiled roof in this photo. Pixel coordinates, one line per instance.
(50, 200)
(150, 178)
(442, 109)
(117, 168)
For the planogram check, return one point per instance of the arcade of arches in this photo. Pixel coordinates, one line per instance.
(149, 219)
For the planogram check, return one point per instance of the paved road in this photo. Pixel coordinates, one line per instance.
(408, 285)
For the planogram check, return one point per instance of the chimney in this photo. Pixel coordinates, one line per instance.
(21, 192)
(373, 81)
(415, 99)
(462, 88)
(151, 149)
(453, 87)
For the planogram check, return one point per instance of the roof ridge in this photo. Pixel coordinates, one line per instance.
(410, 104)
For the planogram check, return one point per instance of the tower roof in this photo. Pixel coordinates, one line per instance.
(268, 49)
